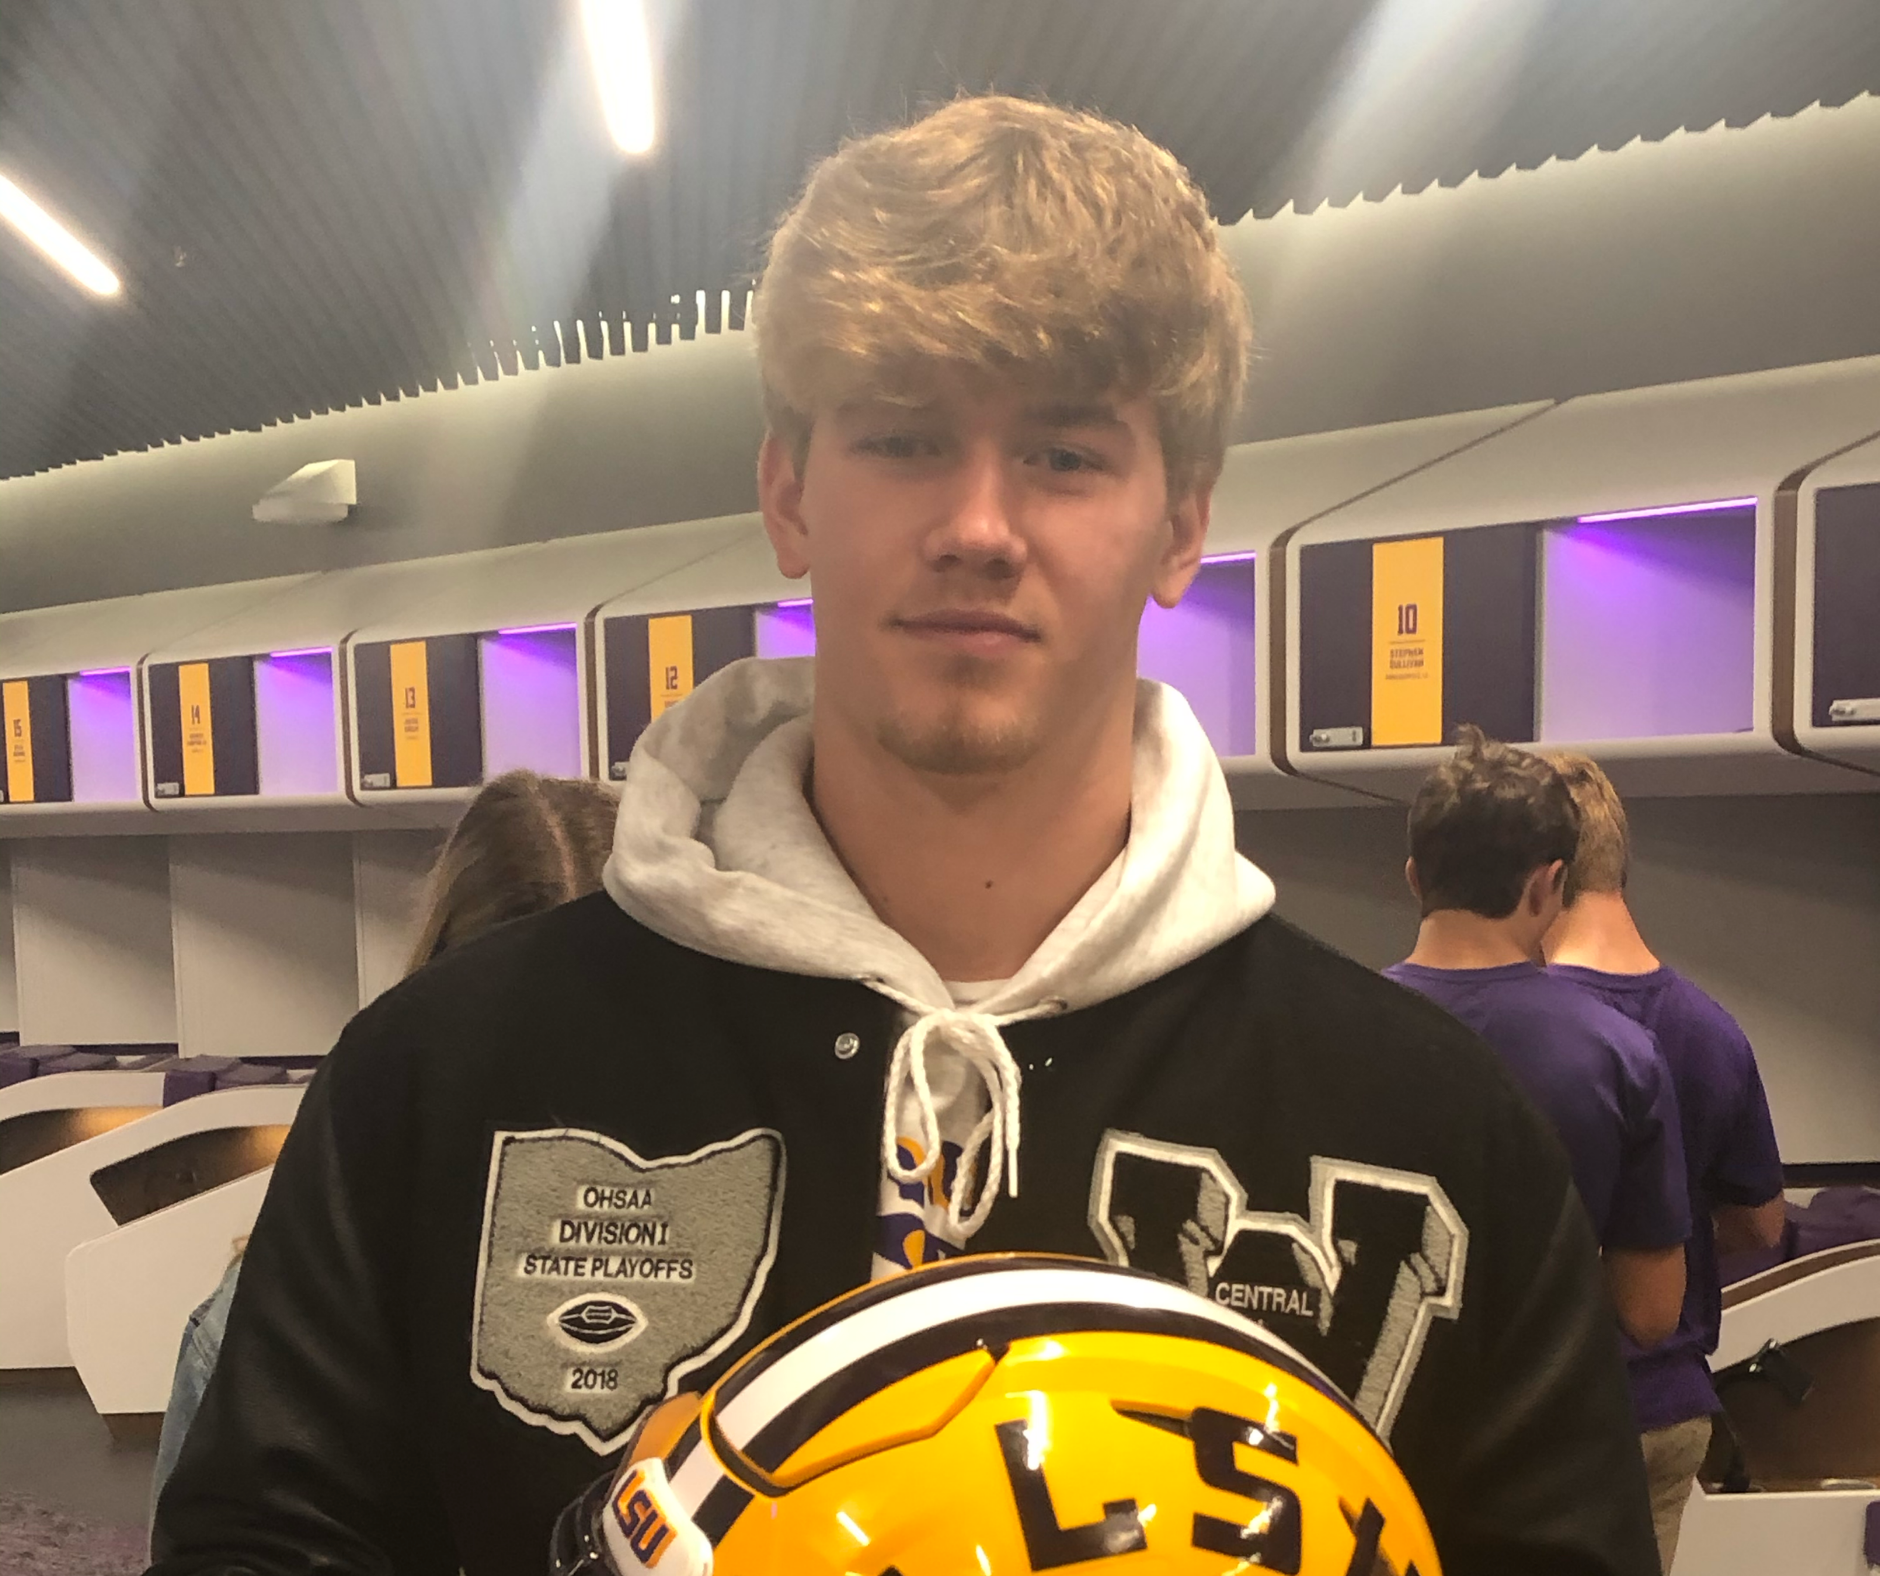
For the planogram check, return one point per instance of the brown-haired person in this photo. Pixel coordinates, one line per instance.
(1493, 832)
(860, 903)
(1733, 1170)
(524, 844)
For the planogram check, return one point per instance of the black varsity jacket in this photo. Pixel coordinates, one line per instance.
(573, 1167)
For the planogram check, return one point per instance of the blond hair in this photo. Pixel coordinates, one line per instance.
(524, 845)
(1007, 236)
(1605, 853)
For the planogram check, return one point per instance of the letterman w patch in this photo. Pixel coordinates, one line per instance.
(604, 1278)
(1352, 1285)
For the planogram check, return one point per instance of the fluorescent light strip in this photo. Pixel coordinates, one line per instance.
(302, 651)
(101, 673)
(536, 629)
(57, 242)
(1710, 507)
(1229, 558)
(800, 601)
(622, 55)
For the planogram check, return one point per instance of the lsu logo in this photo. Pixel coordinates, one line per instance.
(901, 1235)
(646, 1526)
(642, 1523)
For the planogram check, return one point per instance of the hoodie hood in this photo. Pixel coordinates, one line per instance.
(716, 848)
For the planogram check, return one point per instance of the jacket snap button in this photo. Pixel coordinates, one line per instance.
(847, 1045)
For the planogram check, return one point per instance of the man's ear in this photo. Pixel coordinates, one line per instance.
(1410, 876)
(1544, 884)
(780, 496)
(1188, 533)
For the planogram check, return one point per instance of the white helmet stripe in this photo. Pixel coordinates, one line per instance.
(929, 1303)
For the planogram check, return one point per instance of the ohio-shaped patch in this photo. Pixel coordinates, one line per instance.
(605, 1278)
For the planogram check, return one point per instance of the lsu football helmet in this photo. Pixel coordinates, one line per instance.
(1003, 1414)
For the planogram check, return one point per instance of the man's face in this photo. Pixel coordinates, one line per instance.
(981, 557)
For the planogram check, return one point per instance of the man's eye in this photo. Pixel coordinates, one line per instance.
(896, 445)
(1067, 462)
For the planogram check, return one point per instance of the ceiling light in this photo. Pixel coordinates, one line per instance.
(1710, 506)
(623, 69)
(57, 242)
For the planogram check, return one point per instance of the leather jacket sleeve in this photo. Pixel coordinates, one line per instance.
(1550, 1477)
(301, 1459)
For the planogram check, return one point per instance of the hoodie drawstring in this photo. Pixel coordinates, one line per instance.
(976, 1037)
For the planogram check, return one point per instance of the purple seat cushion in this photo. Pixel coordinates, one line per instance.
(194, 1075)
(78, 1062)
(20, 1062)
(245, 1075)
(1835, 1217)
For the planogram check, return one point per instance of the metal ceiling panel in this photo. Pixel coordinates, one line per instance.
(339, 202)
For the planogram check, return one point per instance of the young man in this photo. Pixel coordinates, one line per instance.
(1733, 1172)
(867, 913)
(1492, 832)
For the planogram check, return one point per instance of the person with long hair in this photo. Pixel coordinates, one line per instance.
(525, 844)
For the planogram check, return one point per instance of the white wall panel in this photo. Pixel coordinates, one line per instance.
(263, 926)
(1771, 904)
(1774, 908)
(388, 884)
(91, 940)
(9, 987)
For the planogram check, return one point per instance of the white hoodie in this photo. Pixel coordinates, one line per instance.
(717, 849)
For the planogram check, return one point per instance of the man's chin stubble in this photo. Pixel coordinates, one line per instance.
(957, 747)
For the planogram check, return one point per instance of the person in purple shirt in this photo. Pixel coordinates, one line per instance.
(1733, 1169)
(1492, 831)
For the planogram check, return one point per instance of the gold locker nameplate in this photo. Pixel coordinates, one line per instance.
(192, 690)
(16, 716)
(669, 660)
(411, 714)
(1407, 642)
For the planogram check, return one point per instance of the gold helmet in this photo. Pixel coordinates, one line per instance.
(1004, 1414)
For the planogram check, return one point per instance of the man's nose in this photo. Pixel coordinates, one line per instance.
(980, 526)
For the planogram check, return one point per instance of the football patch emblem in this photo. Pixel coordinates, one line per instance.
(605, 1278)
(597, 1321)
